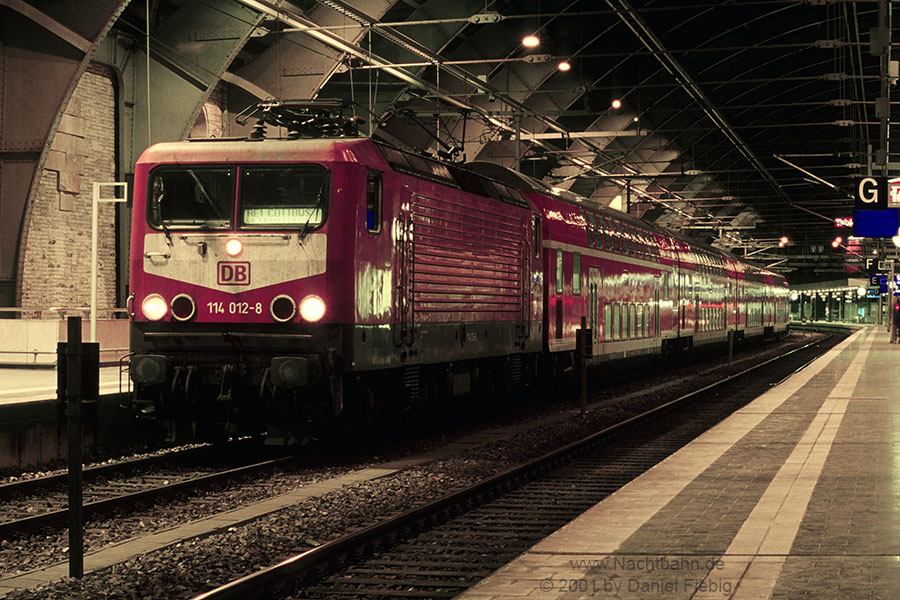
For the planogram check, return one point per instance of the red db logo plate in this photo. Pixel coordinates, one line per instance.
(234, 273)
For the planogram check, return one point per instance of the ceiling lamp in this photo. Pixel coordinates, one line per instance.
(564, 66)
(616, 104)
(531, 41)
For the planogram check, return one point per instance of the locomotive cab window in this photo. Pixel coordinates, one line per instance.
(373, 202)
(191, 197)
(278, 197)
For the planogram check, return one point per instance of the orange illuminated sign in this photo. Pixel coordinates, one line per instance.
(843, 222)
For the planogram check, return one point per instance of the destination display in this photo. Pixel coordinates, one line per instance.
(282, 215)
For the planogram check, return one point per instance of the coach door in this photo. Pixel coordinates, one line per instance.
(594, 299)
(656, 307)
(725, 307)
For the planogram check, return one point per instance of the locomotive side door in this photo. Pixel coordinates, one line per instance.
(402, 269)
(525, 256)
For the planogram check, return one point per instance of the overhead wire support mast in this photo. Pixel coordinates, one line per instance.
(880, 45)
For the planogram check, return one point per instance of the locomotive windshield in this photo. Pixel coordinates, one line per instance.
(283, 196)
(191, 197)
(270, 197)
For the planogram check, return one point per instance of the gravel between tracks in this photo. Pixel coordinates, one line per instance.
(189, 568)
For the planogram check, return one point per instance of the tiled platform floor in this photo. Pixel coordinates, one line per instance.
(795, 496)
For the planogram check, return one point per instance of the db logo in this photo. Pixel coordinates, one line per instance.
(234, 273)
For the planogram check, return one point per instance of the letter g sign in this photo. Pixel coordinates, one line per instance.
(868, 190)
(872, 193)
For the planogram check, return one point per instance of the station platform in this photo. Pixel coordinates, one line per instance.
(797, 495)
(30, 384)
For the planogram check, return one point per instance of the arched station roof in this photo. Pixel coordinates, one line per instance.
(735, 122)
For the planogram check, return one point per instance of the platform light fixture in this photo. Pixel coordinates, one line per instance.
(531, 41)
(616, 104)
(837, 242)
(564, 66)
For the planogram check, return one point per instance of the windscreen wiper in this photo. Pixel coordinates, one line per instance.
(206, 197)
(315, 209)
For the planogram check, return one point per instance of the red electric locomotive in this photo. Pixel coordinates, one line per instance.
(280, 283)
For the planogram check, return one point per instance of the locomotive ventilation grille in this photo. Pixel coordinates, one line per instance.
(467, 258)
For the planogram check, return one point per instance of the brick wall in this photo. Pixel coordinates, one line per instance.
(57, 251)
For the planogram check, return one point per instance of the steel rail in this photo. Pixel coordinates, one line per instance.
(58, 517)
(455, 502)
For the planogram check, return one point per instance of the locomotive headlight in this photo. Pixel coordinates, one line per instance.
(183, 307)
(283, 308)
(312, 308)
(154, 307)
(234, 247)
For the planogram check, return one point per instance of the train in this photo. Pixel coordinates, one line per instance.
(283, 285)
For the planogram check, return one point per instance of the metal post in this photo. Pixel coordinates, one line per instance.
(892, 300)
(73, 419)
(582, 360)
(880, 318)
(730, 345)
(96, 200)
(584, 340)
(518, 122)
(94, 210)
(628, 196)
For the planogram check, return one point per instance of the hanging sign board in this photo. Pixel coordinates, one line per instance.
(871, 194)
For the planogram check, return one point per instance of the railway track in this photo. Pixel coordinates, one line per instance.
(34, 503)
(442, 548)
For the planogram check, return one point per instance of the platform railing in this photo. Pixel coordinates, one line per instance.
(29, 334)
(60, 313)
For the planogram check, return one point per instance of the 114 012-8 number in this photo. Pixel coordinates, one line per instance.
(234, 308)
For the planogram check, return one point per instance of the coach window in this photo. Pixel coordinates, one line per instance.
(373, 202)
(598, 232)
(665, 286)
(537, 236)
(639, 323)
(646, 320)
(632, 313)
(620, 314)
(607, 234)
(616, 236)
(607, 322)
(589, 229)
(629, 235)
(635, 243)
(559, 271)
(576, 273)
